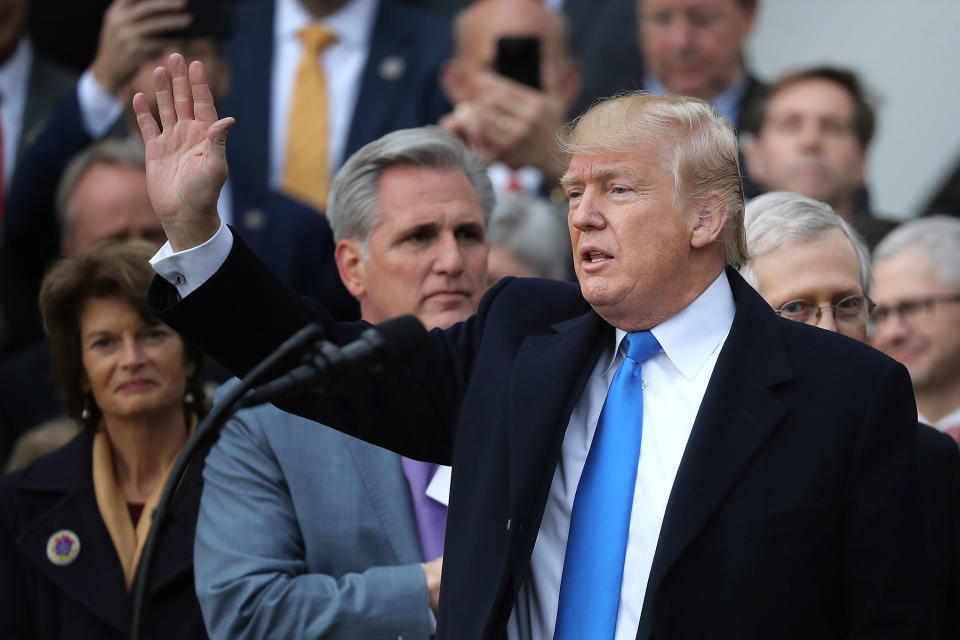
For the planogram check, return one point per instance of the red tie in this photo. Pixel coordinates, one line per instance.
(514, 185)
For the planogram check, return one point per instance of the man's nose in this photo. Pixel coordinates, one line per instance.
(892, 331)
(587, 213)
(679, 34)
(449, 258)
(828, 319)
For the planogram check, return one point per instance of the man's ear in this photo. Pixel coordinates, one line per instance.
(453, 79)
(350, 264)
(711, 212)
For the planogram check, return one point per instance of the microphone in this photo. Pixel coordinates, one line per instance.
(391, 341)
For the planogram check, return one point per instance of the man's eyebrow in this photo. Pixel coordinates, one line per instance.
(600, 174)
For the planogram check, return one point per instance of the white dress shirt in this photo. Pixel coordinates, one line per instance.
(676, 379)
(14, 85)
(343, 63)
(952, 419)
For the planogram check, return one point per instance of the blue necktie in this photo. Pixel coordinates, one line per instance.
(600, 522)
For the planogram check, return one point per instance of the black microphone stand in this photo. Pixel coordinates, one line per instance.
(207, 430)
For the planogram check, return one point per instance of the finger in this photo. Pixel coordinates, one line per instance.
(141, 9)
(217, 133)
(203, 106)
(148, 126)
(161, 83)
(182, 95)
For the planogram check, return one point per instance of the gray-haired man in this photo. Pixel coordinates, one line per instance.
(350, 523)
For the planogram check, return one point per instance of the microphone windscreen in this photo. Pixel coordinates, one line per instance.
(402, 337)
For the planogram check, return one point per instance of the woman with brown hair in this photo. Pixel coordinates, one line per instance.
(73, 523)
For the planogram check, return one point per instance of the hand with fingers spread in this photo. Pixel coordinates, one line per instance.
(510, 123)
(133, 32)
(186, 161)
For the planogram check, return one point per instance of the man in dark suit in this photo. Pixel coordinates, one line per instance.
(381, 71)
(775, 494)
(30, 86)
(811, 266)
(296, 242)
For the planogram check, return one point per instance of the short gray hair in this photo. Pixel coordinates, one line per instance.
(534, 231)
(112, 151)
(780, 217)
(353, 208)
(935, 239)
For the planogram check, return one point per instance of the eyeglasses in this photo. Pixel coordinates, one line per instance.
(911, 309)
(850, 310)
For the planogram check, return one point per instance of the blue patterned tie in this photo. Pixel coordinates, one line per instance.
(600, 523)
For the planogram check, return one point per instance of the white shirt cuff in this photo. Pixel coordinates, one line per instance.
(99, 108)
(187, 270)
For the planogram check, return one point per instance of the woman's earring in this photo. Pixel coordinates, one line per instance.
(188, 398)
(85, 414)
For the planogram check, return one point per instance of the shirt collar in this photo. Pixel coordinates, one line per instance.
(352, 23)
(726, 102)
(15, 74)
(952, 419)
(692, 335)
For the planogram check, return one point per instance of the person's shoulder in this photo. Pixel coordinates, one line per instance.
(937, 448)
(536, 299)
(52, 472)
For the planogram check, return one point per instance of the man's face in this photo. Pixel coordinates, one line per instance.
(111, 201)
(631, 245)
(13, 23)
(490, 20)
(927, 342)
(428, 252)
(807, 144)
(693, 46)
(823, 271)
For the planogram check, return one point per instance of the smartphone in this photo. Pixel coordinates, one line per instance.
(211, 19)
(518, 58)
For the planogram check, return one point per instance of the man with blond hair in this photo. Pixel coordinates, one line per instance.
(767, 499)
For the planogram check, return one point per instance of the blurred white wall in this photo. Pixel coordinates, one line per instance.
(908, 56)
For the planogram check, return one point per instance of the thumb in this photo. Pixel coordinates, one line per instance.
(217, 134)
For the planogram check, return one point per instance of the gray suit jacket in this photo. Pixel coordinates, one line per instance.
(306, 533)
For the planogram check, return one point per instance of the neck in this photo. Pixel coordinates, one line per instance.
(143, 449)
(699, 278)
(936, 404)
(322, 8)
(844, 207)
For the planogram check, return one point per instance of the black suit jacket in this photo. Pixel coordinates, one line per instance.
(87, 599)
(794, 513)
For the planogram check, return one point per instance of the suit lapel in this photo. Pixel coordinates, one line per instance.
(737, 415)
(383, 83)
(385, 485)
(95, 577)
(550, 372)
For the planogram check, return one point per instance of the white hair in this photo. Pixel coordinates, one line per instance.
(534, 231)
(781, 217)
(935, 239)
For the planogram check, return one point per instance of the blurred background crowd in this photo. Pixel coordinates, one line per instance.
(847, 104)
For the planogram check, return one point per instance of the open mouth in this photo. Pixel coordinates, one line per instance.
(595, 256)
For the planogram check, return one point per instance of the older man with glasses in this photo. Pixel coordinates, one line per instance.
(811, 266)
(917, 320)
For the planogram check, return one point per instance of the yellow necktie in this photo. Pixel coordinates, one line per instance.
(307, 175)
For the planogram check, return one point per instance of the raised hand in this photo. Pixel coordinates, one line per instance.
(186, 161)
